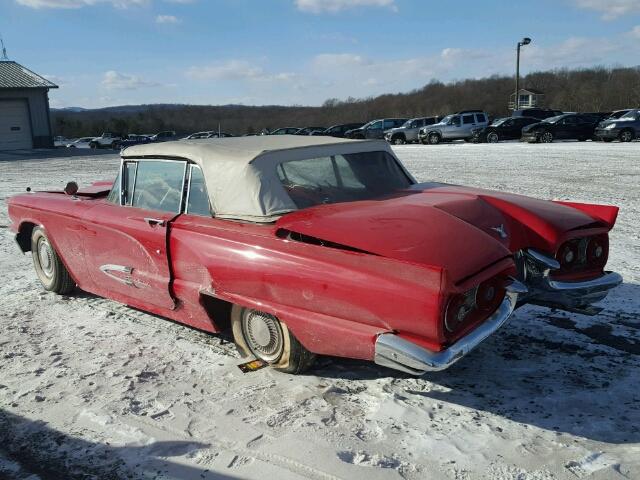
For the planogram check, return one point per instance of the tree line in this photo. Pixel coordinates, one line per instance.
(594, 89)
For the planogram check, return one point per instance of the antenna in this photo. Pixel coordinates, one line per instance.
(4, 50)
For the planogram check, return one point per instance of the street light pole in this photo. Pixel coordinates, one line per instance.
(516, 102)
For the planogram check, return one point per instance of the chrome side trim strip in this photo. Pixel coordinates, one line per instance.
(112, 271)
(395, 352)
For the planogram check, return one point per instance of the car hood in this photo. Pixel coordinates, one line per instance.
(462, 230)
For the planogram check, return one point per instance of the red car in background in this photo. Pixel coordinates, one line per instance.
(306, 245)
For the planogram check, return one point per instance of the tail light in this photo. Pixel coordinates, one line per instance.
(473, 305)
(597, 250)
(583, 253)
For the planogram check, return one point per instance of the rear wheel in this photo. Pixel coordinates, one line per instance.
(263, 336)
(50, 270)
(434, 139)
(626, 135)
(493, 138)
(546, 137)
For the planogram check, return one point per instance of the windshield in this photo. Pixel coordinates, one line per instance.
(553, 119)
(631, 115)
(498, 121)
(342, 178)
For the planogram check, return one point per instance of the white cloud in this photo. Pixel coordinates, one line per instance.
(236, 70)
(230, 70)
(610, 9)
(335, 6)
(635, 31)
(79, 3)
(167, 19)
(113, 80)
(333, 60)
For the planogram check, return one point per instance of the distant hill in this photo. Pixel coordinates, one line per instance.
(588, 90)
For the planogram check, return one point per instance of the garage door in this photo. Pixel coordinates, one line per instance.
(15, 129)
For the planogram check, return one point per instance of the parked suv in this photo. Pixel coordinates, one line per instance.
(626, 128)
(375, 128)
(457, 126)
(408, 132)
(106, 140)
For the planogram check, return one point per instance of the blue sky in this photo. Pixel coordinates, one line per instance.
(256, 52)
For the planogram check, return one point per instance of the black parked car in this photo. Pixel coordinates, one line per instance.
(375, 128)
(133, 139)
(540, 113)
(509, 128)
(284, 131)
(570, 126)
(310, 130)
(626, 128)
(339, 130)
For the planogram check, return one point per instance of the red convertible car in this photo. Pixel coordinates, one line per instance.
(315, 245)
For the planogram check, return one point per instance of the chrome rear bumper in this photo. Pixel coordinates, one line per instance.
(395, 352)
(569, 295)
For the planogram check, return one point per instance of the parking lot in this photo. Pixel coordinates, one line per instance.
(91, 386)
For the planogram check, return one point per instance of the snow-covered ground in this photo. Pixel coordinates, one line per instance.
(92, 389)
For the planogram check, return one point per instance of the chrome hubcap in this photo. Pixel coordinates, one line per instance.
(626, 137)
(433, 139)
(45, 257)
(492, 138)
(263, 335)
(547, 138)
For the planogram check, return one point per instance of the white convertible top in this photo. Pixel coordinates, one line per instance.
(240, 172)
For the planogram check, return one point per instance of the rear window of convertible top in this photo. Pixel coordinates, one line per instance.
(342, 178)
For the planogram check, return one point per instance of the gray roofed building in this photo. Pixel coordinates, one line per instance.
(14, 75)
(24, 108)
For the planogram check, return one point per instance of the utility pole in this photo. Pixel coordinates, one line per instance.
(516, 100)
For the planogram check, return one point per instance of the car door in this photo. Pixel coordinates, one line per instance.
(126, 241)
(468, 122)
(567, 128)
(511, 128)
(374, 130)
(453, 128)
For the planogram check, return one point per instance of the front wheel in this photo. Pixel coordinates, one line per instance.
(546, 137)
(626, 136)
(263, 336)
(398, 140)
(50, 270)
(433, 139)
(493, 138)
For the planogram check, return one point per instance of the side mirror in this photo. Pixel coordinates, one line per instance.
(71, 188)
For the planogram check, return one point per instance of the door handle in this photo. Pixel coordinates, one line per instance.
(154, 221)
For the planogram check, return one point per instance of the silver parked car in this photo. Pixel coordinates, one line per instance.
(457, 126)
(408, 132)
